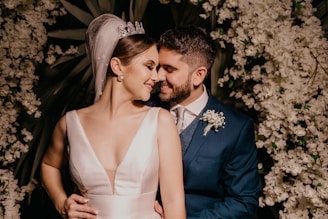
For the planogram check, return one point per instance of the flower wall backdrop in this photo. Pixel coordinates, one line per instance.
(22, 38)
(278, 72)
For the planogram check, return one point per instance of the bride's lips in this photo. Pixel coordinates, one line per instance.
(150, 85)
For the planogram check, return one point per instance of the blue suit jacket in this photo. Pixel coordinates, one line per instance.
(220, 169)
(221, 178)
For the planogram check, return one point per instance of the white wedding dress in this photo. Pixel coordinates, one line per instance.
(136, 178)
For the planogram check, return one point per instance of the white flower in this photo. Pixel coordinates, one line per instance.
(214, 119)
(194, 2)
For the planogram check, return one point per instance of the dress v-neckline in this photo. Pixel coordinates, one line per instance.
(121, 163)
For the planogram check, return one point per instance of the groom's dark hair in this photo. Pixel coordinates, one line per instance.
(196, 46)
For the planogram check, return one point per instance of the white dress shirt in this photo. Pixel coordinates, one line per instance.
(192, 110)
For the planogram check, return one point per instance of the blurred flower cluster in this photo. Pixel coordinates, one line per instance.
(22, 38)
(280, 70)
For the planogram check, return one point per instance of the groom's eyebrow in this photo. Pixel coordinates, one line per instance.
(170, 67)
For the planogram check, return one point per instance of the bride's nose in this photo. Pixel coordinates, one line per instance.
(161, 74)
(154, 76)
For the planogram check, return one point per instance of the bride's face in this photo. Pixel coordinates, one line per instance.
(140, 75)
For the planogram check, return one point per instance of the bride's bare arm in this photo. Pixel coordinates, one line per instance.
(170, 170)
(52, 162)
(55, 157)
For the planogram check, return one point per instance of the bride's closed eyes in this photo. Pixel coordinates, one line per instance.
(150, 65)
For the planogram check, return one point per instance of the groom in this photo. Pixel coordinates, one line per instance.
(220, 166)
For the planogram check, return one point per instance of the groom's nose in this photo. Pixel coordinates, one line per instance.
(161, 74)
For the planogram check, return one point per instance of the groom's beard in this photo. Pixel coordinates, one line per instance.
(178, 94)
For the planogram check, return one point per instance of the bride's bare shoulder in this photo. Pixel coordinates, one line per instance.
(164, 116)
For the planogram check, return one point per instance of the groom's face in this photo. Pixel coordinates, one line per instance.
(175, 77)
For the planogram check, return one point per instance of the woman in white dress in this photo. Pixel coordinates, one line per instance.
(118, 149)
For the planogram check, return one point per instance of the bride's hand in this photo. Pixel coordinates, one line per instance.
(76, 206)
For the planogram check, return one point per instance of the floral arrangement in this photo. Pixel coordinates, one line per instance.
(22, 38)
(214, 120)
(280, 71)
(11, 194)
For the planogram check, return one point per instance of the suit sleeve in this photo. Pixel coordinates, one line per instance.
(241, 180)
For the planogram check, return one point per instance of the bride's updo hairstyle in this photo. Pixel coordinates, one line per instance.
(131, 46)
(109, 36)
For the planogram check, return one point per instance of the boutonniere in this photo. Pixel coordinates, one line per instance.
(214, 119)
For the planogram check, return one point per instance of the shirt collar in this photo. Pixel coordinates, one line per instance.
(198, 105)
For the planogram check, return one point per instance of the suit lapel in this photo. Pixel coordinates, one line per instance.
(198, 138)
(195, 144)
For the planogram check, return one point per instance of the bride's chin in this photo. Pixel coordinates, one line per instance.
(145, 97)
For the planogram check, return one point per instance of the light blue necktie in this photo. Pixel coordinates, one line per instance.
(179, 115)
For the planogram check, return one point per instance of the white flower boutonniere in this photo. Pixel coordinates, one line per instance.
(214, 119)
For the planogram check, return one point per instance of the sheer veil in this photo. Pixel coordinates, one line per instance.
(101, 39)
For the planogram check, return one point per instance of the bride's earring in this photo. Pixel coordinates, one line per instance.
(120, 78)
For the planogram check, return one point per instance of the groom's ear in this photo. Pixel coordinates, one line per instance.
(199, 75)
(116, 66)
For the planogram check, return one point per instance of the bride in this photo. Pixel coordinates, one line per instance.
(118, 150)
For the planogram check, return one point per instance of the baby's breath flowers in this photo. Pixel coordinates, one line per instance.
(23, 36)
(214, 119)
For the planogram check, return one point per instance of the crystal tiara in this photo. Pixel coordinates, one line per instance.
(130, 29)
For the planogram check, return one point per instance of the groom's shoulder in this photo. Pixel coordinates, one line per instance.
(228, 109)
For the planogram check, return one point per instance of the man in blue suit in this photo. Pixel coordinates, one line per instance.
(220, 166)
